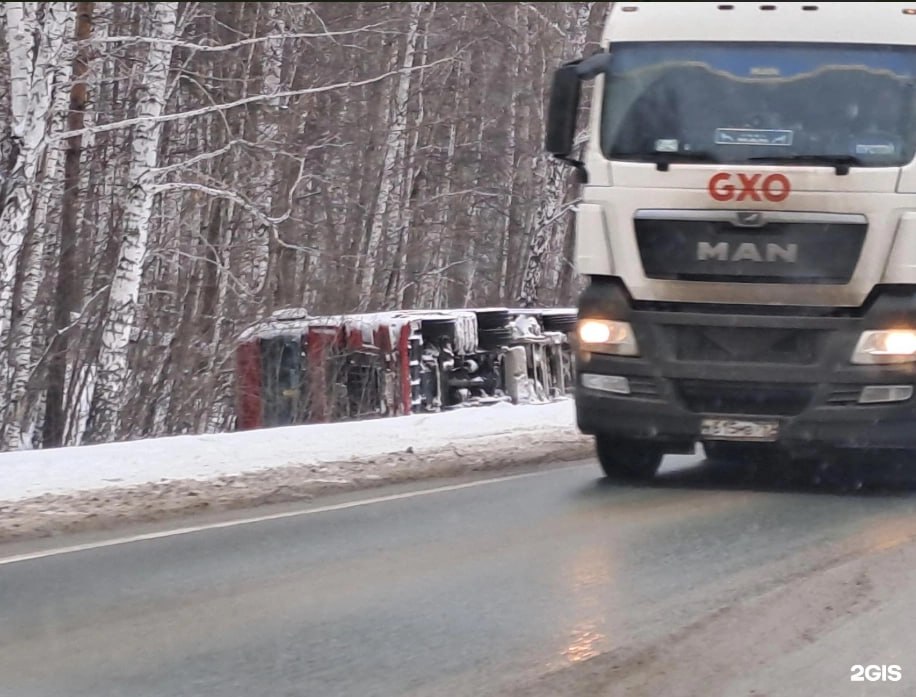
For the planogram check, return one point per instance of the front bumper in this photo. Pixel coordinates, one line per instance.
(810, 388)
(879, 427)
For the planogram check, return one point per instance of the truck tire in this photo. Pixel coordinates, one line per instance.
(493, 339)
(628, 459)
(558, 322)
(496, 318)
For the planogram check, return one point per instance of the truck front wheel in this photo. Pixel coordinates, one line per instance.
(628, 459)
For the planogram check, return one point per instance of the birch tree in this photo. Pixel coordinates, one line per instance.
(390, 186)
(548, 222)
(35, 41)
(121, 310)
(66, 295)
(33, 271)
(39, 71)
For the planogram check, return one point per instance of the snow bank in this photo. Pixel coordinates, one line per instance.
(29, 474)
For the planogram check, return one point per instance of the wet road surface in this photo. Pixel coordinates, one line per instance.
(542, 582)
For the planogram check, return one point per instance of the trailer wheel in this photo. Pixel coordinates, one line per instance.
(564, 323)
(496, 318)
(628, 459)
(493, 339)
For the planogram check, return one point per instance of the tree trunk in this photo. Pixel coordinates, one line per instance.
(548, 222)
(397, 282)
(67, 288)
(475, 222)
(34, 46)
(108, 398)
(270, 170)
(221, 402)
(433, 283)
(512, 158)
(390, 185)
(19, 408)
(456, 218)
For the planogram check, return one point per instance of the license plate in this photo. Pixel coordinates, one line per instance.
(733, 429)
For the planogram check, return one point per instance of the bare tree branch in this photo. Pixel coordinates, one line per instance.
(126, 123)
(218, 48)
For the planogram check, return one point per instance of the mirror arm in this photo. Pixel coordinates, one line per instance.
(591, 67)
(585, 69)
(578, 165)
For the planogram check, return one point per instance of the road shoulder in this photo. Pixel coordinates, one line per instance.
(110, 507)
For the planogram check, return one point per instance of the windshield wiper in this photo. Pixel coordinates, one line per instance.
(663, 159)
(841, 163)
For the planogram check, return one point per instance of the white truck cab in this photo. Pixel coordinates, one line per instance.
(748, 226)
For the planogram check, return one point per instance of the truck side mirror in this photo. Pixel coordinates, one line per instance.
(562, 111)
(564, 107)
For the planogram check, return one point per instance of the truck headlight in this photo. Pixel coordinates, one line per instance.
(607, 336)
(885, 346)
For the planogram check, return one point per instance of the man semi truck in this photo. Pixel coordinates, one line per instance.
(748, 228)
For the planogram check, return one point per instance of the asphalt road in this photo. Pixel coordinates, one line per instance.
(548, 583)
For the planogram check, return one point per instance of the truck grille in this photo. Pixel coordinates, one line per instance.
(713, 397)
(745, 344)
(643, 387)
(783, 248)
(843, 395)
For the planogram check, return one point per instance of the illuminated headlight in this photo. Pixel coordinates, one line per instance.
(607, 336)
(886, 346)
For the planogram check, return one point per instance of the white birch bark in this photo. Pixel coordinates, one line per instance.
(389, 186)
(21, 28)
(222, 401)
(407, 211)
(395, 299)
(548, 221)
(475, 222)
(20, 349)
(62, 254)
(521, 70)
(217, 388)
(34, 46)
(78, 414)
(433, 285)
(268, 130)
(402, 218)
(455, 220)
(110, 385)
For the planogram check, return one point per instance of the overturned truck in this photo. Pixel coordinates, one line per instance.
(294, 368)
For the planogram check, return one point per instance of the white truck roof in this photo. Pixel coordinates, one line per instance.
(820, 22)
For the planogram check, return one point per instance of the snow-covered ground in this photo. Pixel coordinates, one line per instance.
(48, 492)
(28, 474)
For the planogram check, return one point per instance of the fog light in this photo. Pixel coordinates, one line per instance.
(879, 394)
(885, 346)
(606, 383)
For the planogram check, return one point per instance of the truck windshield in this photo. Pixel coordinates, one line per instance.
(798, 103)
